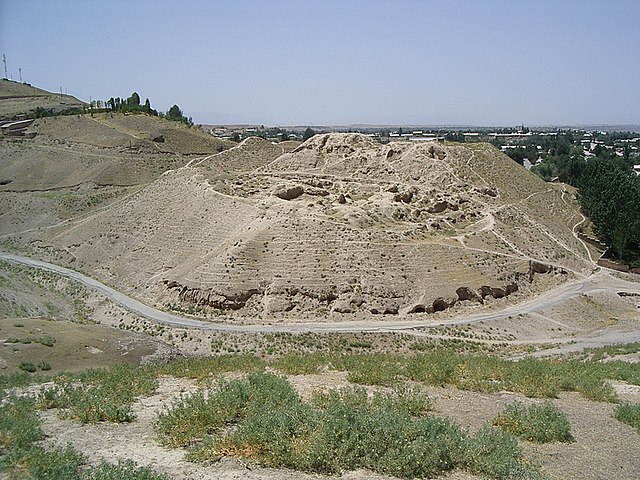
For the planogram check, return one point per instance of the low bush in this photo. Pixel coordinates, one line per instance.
(300, 364)
(121, 471)
(537, 423)
(371, 368)
(193, 417)
(44, 366)
(27, 367)
(629, 413)
(100, 395)
(36, 463)
(338, 430)
(494, 453)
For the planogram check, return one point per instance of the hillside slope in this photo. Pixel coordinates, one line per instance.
(339, 227)
(80, 162)
(21, 98)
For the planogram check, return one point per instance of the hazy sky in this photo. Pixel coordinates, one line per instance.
(343, 62)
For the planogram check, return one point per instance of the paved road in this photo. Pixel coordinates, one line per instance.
(598, 282)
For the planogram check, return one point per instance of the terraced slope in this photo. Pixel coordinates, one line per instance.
(341, 227)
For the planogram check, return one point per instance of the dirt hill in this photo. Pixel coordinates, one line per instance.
(340, 227)
(21, 98)
(78, 163)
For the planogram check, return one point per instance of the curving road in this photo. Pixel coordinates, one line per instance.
(598, 282)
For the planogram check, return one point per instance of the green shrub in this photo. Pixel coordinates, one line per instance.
(36, 463)
(538, 423)
(436, 368)
(355, 432)
(27, 367)
(193, 417)
(47, 341)
(630, 414)
(370, 369)
(204, 367)
(300, 364)
(44, 366)
(492, 452)
(338, 430)
(18, 379)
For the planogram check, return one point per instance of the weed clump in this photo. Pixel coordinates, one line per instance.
(629, 413)
(538, 423)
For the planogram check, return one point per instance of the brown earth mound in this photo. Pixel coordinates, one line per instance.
(339, 226)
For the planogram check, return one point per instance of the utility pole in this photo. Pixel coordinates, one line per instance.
(4, 60)
(20, 73)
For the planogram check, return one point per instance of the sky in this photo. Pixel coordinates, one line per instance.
(339, 62)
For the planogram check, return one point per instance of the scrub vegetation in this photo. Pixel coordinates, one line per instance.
(244, 407)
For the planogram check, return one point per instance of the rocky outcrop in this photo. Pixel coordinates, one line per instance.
(466, 293)
(210, 298)
(441, 304)
(287, 192)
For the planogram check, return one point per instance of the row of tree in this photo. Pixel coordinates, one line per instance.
(132, 105)
(610, 196)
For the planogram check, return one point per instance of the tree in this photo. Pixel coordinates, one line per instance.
(174, 113)
(308, 133)
(134, 100)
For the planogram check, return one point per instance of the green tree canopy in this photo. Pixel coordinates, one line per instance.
(174, 113)
(610, 195)
(134, 100)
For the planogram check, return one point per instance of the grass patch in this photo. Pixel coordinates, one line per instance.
(535, 378)
(538, 423)
(19, 425)
(202, 368)
(300, 364)
(36, 463)
(100, 395)
(370, 368)
(629, 413)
